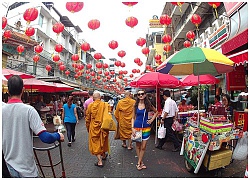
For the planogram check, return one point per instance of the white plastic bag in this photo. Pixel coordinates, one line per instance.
(241, 149)
(161, 132)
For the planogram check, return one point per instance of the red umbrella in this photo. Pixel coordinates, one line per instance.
(59, 87)
(192, 80)
(80, 93)
(8, 73)
(155, 80)
(38, 85)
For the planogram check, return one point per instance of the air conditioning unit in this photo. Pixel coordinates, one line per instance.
(208, 32)
(216, 24)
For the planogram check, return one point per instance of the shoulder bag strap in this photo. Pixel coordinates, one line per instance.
(143, 117)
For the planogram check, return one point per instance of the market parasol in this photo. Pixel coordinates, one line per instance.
(165, 66)
(38, 85)
(192, 80)
(59, 87)
(9, 73)
(4, 80)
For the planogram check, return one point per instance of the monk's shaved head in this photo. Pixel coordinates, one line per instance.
(127, 93)
(96, 96)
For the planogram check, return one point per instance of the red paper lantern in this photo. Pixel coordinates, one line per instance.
(121, 53)
(99, 65)
(76, 76)
(117, 63)
(196, 20)
(7, 34)
(158, 57)
(85, 46)
(138, 71)
(74, 65)
(67, 72)
(4, 22)
(131, 75)
(131, 21)
(165, 20)
(187, 44)
(56, 57)
(108, 77)
(123, 64)
(104, 80)
(140, 41)
(112, 72)
(20, 49)
(140, 63)
(145, 51)
(120, 72)
(94, 24)
(114, 80)
(30, 31)
(167, 48)
(97, 56)
(137, 60)
(148, 67)
(58, 27)
(58, 48)
(76, 69)
(120, 76)
(105, 66)
(129, 3)
(80, 66)
(98, 77)
(134, 71)
(125, 72)
(62, 67)
(74, 6)
(92, 73)
(166, 38)
(48, 67)
(106, 73)
(87, 77)
(75, 57)
(113, 44)
(60, 63)
(89, 66)
(87, 71)
(38, 49)
(190, 35)
(36, 58)
(30, 15)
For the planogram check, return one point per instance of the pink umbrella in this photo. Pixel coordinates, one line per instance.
(192, 80)
(38, 85)
(9, 72)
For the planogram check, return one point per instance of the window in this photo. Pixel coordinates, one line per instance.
(40, 21)
(158, 39)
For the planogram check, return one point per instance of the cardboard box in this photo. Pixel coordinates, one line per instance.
(218, 158)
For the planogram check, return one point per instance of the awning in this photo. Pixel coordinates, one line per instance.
(239, 58)
(235, 42)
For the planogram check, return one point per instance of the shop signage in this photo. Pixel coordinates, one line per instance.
(218, 36)
(155, 22)
(236, 79)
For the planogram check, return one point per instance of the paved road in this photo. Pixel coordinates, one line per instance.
(79, 163)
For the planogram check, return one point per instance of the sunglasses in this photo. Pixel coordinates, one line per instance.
(140, 94)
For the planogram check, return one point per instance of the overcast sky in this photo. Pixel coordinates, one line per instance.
(112, 16)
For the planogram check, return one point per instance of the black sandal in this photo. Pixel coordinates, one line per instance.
(105, 156)
(96, 164)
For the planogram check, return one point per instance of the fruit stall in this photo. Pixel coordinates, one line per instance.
(206, 140)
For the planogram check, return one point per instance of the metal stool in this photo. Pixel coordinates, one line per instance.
(48, 147)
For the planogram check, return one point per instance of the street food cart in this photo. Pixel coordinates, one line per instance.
(207, 142)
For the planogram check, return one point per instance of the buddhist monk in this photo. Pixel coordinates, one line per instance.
(98, 138)
(123, 114)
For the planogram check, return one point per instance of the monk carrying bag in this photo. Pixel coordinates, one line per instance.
(108, 123)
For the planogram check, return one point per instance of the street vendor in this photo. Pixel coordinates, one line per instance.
(183, 106)
(227, 103)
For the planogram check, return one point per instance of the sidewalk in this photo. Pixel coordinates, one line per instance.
(79, 163)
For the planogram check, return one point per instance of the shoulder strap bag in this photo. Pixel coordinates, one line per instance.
(137, 137)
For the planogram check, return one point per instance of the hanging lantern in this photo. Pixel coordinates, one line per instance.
(105, 65)
(137, 60)
(131, 21)
(30, 31)
(167, 48)
(158, 57)
(67, 72)
(131, 75)
(121, 53)
(215, 5)
(190, 35)
(38, 49)
(187, 44)
(7, 34)
(117, 63)
(112, 72)
(76, 70)
(36, 58)
(178, 4)
(92, 73)
(4, 22)
(123, 64)
(98, 77)
(97, 56)
(125, 72)
(140, 63)
(108, 77)
(94, 24)
(166, 38)
(113, 44)
(20, 49)
(138, 71)
(148, 67)
(58, 48)
(62, 67)
(30, 15)
(56, 57)
(114, 80)
(145, 51)
(98, 65)
(130, 4)
(60, 63)
(89, 66)
(74, 65)
(58, 28)
(48, 67)
(85, 46)
(120, 72)
(165, 20)
(196, 20)
(120, 76)
(75, 57)
(87, 71)
(88, 77)
(106, 73)
(74, 6)
(141, 41)
(76, 76)
(80, 66)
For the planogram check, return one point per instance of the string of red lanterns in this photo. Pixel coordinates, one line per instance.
(74, 6)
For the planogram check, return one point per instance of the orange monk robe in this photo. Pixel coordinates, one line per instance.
(98, 138)
(123, 114)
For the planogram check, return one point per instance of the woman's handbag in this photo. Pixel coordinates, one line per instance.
(161, 132)
(108, 123)
(137, 137)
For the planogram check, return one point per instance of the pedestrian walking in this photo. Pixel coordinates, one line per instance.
(98, 138)
(123, 114)
(70, 118)
(87, 102)
(19, 122)
(168, 115)
(111, 103)
(140, 121)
